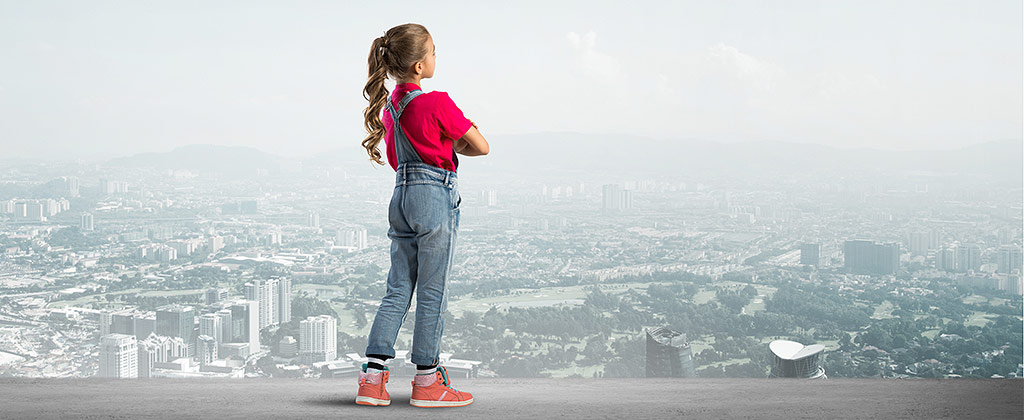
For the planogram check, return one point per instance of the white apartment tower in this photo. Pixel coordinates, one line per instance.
(88, 223)
(284, 302)
(264, 292)
(210, 325)
(226, 334)
(207, 350)
(318, 339)
(119, 356)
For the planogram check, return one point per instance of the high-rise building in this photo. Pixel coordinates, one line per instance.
(210, 324)
(284, 300)
(184, 247)
(87, 222)
(810, 254)
(1008, 234)
(615, 198)
(313, 219)
(207, 351)
(215, 243)
(50, 207)
(34, 212)
(145, 324)
(20, 209)
(214, 295)
(318, 339)
(668, 354)
(177, 320)
(72, 187)
(166, 254)
(968, 257)
(945, 259)
(226, 335)
(130, 321)
(245, 324)
(287, 347)
(923, 241)
(1009, 258)
(610, 197)
(355, 238)
(147, 357)
(248, 206)
(489, 197)
(361, 238)
(264, 292)
(106, 319)
(867, 257)
(123, 322)
(794, 360)
(1014, 283)
(119, 357)
(159, 233)
(271, 238)
(626, 199)
(112, 187)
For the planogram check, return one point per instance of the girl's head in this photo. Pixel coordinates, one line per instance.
(406, 52)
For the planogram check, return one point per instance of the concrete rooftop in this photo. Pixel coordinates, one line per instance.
(180, 399)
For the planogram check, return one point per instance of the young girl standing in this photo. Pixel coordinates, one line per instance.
(422, 133)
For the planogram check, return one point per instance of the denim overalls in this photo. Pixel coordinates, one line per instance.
(424, 218)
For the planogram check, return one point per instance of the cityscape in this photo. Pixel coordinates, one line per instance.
(658, 209)
(724, 260)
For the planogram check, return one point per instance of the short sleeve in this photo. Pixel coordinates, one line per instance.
(450, 119)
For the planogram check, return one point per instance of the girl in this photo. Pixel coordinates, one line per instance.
(422, 133)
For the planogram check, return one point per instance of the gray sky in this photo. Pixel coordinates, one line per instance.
(102, 78)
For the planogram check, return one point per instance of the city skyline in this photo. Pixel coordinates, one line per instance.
(672, 188)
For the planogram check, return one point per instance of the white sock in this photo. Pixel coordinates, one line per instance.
(374, 360)
(426, 371)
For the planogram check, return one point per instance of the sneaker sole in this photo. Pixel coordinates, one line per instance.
(429, 403)
(371, 401)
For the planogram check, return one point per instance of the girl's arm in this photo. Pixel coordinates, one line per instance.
(468, 144)
(464, 148)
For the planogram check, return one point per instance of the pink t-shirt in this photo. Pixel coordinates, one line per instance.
(431, 122)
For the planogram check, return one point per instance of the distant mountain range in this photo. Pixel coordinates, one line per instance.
(206, 158)
(588, 151)
(625, 152)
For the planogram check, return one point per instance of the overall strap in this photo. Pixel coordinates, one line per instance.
(409, 96)
(404, 150)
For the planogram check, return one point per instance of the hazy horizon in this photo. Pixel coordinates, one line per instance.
(103, 80)
(358, 153)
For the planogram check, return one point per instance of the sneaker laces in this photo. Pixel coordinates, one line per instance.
(444, 375)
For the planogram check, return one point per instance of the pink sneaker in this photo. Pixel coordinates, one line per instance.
(437, 391)
(371, 388)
